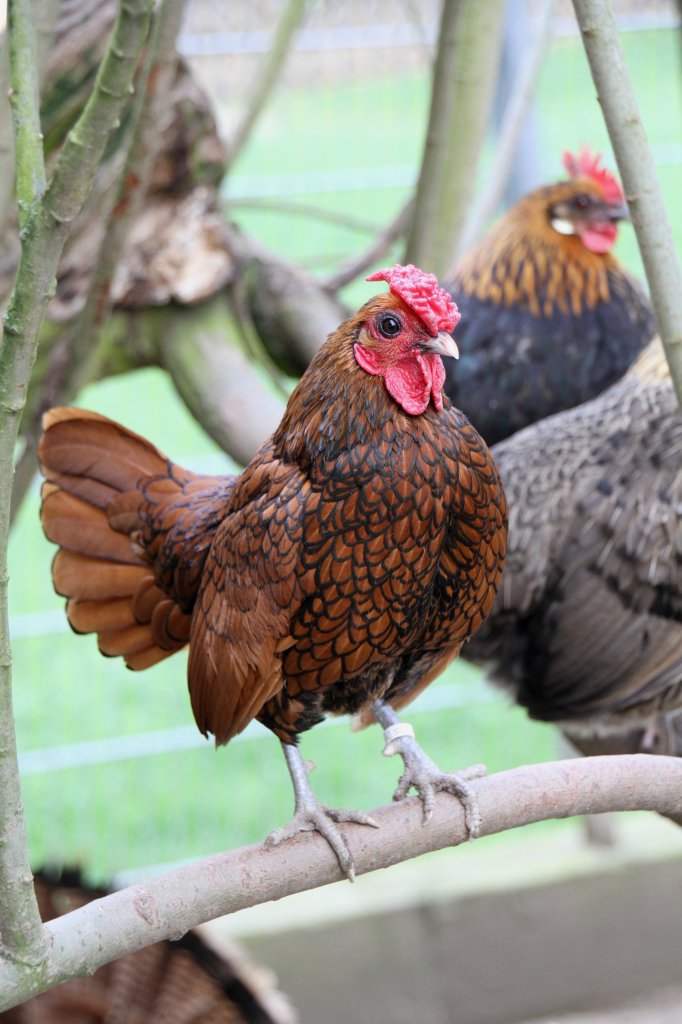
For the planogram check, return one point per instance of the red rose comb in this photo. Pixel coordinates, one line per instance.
(422, 293)
(586, 164)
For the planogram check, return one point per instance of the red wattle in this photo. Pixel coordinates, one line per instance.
(412, 382)
(599, 237)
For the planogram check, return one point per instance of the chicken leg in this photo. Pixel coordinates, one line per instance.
(310, 815)
(423, 774)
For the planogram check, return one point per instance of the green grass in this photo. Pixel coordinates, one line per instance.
(164, 809)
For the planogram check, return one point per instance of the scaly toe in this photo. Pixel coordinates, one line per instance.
(317, 821)
(356, 817)
(404, 784)
(427, 784)
(322, 819)
(455, 784)
(280, 835)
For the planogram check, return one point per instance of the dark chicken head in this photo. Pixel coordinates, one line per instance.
(590, 204)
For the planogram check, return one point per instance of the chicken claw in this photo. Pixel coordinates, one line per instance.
(310, 815)
(423, 774)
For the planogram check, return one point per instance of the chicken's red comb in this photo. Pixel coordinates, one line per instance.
(586, 164)
(422, 293)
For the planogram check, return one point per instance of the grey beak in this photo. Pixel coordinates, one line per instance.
(618, 211)
(444, 344)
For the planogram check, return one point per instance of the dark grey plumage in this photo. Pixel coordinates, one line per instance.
(586, 629)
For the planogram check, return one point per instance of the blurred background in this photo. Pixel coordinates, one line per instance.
(116, 778)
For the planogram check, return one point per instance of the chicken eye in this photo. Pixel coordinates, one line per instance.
(390, 325)
(582, 202)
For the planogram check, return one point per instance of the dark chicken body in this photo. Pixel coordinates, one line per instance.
(586, 630)
(547, 323)
(347, 563)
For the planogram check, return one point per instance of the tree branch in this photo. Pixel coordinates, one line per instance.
(169, 905)
(462, 90)
(508, 135)
(72, 179)
(277, 292)
(636, 166)
(84, 146)
(75, 354)
(374, 253)
(312, 210)
(269, 73)
(21, 936)
(146, 127)
(46, 216)
(7, 167)
(226, 393)
(25, 102)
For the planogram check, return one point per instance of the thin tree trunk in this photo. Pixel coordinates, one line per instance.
(515, 114)
(46, 214)
(638, 173)
(463, 81)
(21, 935)
(6, 139)
(146, 126)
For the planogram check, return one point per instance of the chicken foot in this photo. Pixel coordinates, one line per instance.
(310, 815)
(422, 773)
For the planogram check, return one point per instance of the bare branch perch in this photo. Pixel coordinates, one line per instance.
(167, 906)
(636, 166)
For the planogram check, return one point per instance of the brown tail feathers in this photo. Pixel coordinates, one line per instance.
(110, 501)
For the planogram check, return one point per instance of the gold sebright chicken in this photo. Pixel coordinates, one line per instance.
(339, 572)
